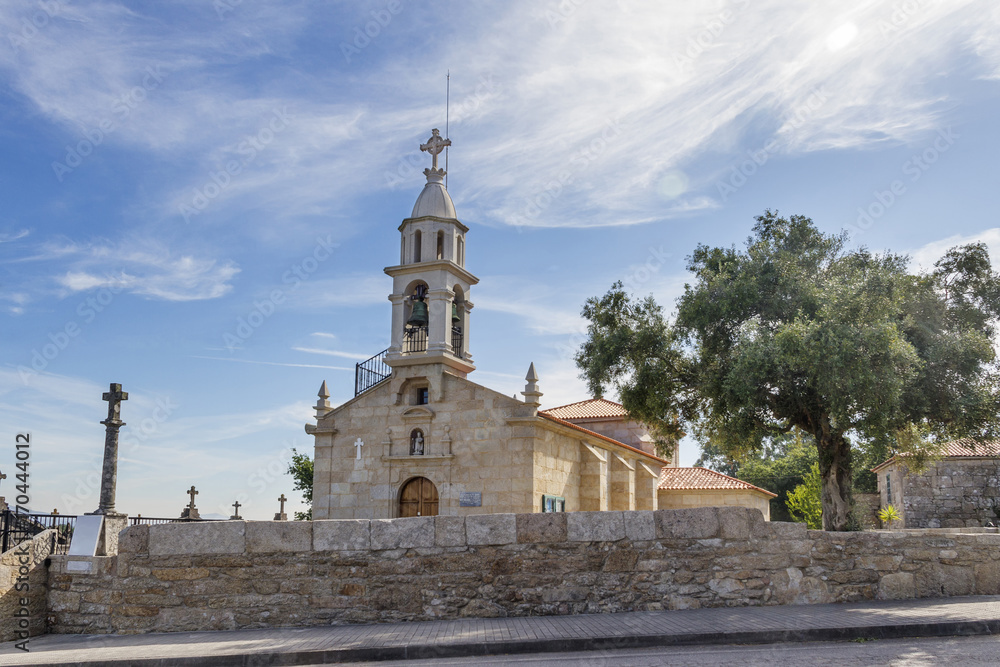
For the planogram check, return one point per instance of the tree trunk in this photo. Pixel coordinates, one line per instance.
(835, 468)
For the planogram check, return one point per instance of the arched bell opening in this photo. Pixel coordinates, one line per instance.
(416, 318)
(457, 321)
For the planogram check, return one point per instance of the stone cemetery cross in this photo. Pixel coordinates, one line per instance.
(192, 492)
(236, 506)
(281, 516)
(109, 475)
(358, 444)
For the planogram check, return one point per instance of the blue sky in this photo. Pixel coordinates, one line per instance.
(172, 170)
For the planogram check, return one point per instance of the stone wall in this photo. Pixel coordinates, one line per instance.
(23, 585)
(682, 499)
(234, 574)
(949, 493)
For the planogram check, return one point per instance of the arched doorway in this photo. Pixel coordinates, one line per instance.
(418, 497)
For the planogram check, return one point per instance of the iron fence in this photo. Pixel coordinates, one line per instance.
(17, 528)
(370, 372)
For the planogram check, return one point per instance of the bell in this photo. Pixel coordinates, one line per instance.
(455, 319)
(418, 318)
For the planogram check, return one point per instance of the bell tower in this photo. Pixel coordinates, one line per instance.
(430, 286)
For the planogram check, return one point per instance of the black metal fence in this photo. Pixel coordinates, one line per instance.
(415, 339)
(152, 521)
(370, 372)
(456, 341)
(17, 528)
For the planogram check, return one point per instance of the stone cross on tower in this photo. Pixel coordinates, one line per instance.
(109, 474)
(281, 516)
(434, 146)
(236, 506)
(358, 444)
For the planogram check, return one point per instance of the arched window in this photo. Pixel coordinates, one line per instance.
(440, 245)
(460, 259)
(416, 442)
(416, 245)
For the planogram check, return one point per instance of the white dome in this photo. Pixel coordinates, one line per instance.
(434, 200)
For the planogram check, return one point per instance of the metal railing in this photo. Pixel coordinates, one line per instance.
(456, 341)
(370, 372)
(151, 521)
(17, 528)
(415, 339)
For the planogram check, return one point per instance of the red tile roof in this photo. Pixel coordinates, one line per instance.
(964, 447)
(688, 479)
(593, 408)
(601, 437)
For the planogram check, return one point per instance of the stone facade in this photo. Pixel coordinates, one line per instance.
(475, 441)
(227, 575)
(951, 492)
(24, 585)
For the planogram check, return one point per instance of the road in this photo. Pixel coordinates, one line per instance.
(924, 652)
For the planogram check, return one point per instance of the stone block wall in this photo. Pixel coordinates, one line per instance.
(23, 586)
(227, 575)
(950, 493)
(681, 499)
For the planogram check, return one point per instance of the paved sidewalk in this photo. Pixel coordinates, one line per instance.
(977, 615)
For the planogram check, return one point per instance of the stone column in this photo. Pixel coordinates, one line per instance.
(439, 320)
(109, 474)
(396, 337)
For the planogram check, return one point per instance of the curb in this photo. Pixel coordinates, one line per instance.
(556, 645)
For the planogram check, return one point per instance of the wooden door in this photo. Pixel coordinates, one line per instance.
(418, 497)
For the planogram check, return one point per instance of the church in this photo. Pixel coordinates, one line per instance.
(421, 439)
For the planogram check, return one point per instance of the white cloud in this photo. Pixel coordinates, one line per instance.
(332, 353)
(923, 258)
(147, 270)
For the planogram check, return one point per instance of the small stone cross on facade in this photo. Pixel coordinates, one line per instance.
(358, 444)
(434, 146)
(236, 506)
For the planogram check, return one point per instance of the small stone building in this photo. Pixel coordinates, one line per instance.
(959, 490)
(420, 439)
(680, 488)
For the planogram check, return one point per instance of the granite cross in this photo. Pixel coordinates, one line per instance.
(282, 500)
(358, 444)
(191, 492)
(109, 473)
(434, 146)
(236, 505)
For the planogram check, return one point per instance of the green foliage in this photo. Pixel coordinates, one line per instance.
(301, 470)
(804, 502)
(797, 331)
(782, 466)
(888, 514)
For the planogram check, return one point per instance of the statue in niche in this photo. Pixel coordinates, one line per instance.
(416, 443)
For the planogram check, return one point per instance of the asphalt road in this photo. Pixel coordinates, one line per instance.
(950, 651)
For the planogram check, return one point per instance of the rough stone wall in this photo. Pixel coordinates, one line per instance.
(225, 575)
(676, 499)
(24, 565)
(950, 493)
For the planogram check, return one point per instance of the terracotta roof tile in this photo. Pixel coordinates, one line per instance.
(963, 447)
(681, 479)
(600, 436)
(593, 408)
